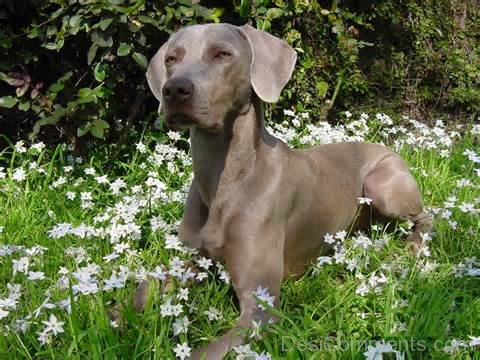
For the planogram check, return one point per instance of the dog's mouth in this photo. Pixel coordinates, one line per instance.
(180, 120)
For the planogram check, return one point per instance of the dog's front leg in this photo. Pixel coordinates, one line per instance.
(254, 263)
(194, 217)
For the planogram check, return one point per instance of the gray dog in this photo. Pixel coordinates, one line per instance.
(261, 206)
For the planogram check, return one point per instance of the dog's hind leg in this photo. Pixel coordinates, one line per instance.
(395, 195)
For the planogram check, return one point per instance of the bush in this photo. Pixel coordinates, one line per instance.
(80, 64)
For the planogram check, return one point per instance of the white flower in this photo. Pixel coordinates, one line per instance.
(117, 185)
(157, 223)
(362, 289)
(167, 309)
(141, 147)
(466, 207)
(102, 179)
(180, 326)
(21, 265)
(243, 351)
(36, 275)
(204, 263)
(158, 273)
(213, 314)
(86, 196)
(201, 275)
(321, 260)
(264, 295)
(375, 352)
(472, 156)
(474, 340)
(182, 351)
(329, 239)
(20, 147)
(3, 313)
(38, 146)
(361, 241)
(53, 325)
(43, 337)
(364, 200)
(341, 235)
(89, 171)
(454, 345)
(173, 135)
(19, 174)
(183, 294)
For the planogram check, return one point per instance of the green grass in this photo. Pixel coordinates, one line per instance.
(321, 316)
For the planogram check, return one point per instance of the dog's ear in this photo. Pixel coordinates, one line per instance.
(156, 73)
(272, 64)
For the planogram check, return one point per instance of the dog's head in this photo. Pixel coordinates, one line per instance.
(205, 72)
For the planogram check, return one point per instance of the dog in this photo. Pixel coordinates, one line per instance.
(254, 202)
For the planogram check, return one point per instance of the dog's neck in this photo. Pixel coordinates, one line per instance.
(223, 158)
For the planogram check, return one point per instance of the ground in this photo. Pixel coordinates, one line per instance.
(78, 234)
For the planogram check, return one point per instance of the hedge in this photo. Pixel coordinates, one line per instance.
(75, 68)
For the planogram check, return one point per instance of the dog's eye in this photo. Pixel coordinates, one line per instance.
(170, 60)
(222, 55)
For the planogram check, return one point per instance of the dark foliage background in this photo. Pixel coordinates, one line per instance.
(73, 70)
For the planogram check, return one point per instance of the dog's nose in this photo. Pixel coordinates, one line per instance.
(177, 90)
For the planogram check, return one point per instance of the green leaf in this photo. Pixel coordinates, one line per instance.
(187, 11)
(50, 120)
(82, 130)
(91, 53)
(123, 49)
(101, 123)
(245, 8)
(264, 25)
(99, 72)
(8, 101)
(97, 132)
(24, 106)
(50, 46)
(75, 21)
(51, 30)
(33, 33)
(274, 13)
(105, 23)
(56, 87)
(140, 59)
(322, 88)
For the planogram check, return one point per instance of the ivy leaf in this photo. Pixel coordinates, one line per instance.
(50, 46)
(98, 128)
(8, 101)
(91, 53)
(98, 132)
(322, 88)
(274, 13)
(99, 72)
(20, 91)
(101, 123)
(140, 59)
(24, 106)
(123, 49)
(75, 21)
(82, 130)
(105, 23)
